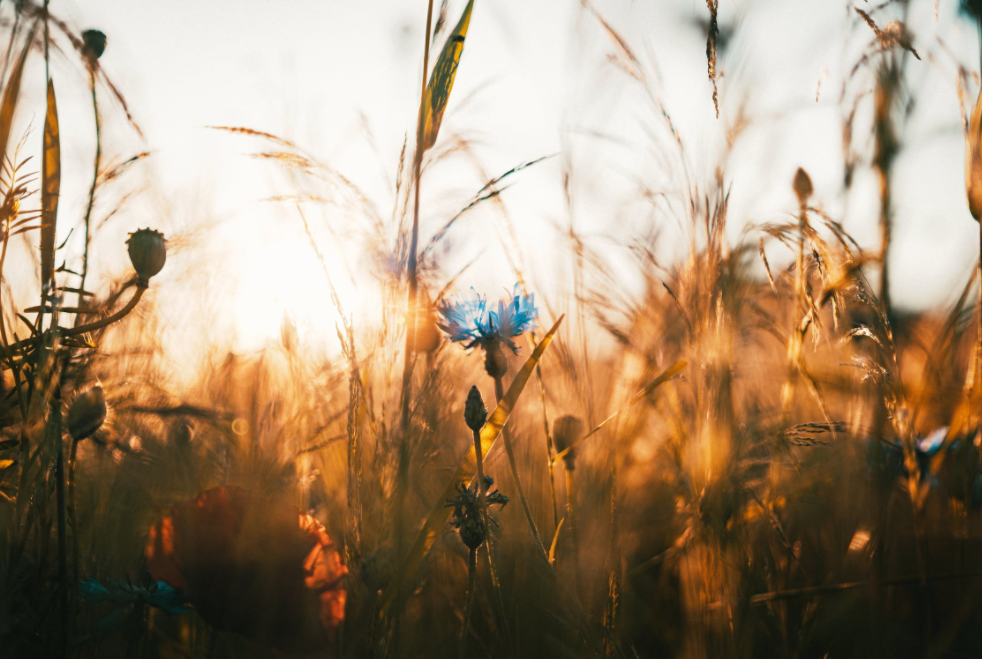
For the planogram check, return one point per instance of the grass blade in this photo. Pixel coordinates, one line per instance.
(441, 81)
(50, 186)
(12, 92)
(438, 516)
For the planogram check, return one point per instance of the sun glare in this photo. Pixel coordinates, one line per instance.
(280, 281)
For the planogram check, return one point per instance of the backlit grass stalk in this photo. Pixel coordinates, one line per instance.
(499, 392)
(92, 64)
(567, 431)
(402, 473)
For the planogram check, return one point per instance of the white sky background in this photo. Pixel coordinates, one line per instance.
(534, 80)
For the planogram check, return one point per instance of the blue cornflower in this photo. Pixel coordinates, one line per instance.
(465, 318)
(158, 594)
(469, 319)
(515, 317)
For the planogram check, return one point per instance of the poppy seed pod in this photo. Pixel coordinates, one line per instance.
(148, 253)
(87, 413)
(566, 430)
(93, 44)
(973, 161)
(475, 413)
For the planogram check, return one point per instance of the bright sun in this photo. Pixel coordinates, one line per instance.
(279, 277)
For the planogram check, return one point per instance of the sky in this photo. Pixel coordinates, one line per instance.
(341, 79)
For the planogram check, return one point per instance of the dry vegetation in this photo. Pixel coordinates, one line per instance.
(756, 460)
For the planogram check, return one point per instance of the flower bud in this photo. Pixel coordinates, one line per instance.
(87, 413)
(148, 253)
(802, 186)
(475, 413)
(473, 530)
(495, 362)
(973, 162)
(566, 430)
(427, 332)
(93, 44)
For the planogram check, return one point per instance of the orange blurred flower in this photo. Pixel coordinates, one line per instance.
(252, 565)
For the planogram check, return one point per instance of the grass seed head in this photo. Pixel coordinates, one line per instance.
(566, 430)
(802, 186)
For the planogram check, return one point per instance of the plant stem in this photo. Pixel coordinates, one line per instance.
(479, 453)
(91, 327)
(499, 392)
(469, 604)
(571, 516)
(402, 475)
(55, 432)
(550, 448)
(95, 178)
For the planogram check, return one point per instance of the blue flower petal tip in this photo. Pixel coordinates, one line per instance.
(469, 319)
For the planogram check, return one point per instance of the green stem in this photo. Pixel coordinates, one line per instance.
(571, 515)
(402, 474)
(469, 604)
(95, 179)
(91, 327)
(499, 392)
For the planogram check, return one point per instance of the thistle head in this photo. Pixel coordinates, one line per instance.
(148, 253)
(475, 413)
(87, 413)
(93, 45)
(566, 430)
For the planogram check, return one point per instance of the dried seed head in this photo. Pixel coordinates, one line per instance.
(475, 413)
(87, 413)
(566, 430)
(93, 44)
(148, 253)
(802, 186)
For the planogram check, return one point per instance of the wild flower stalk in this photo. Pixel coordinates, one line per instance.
(402, 473)
(86, 415)
(94, 45)
(565, 431)
(470, 321)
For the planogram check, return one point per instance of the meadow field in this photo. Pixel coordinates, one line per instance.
(659, 431)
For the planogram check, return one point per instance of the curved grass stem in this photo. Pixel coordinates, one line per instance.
(499, 392)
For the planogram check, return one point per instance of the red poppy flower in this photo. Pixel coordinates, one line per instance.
(252, 565)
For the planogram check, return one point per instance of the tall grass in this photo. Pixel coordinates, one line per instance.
(758, 454)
